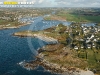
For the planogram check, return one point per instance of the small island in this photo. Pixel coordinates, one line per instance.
(71, 50)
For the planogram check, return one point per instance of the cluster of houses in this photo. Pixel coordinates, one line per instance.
(91, 35)
(5, 18)
(90, 39)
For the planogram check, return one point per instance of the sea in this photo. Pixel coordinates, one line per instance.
(15, 49)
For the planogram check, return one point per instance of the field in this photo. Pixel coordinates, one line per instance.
(76, 15)
(80, 18)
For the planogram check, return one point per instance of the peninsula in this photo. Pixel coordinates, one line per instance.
(69, 51)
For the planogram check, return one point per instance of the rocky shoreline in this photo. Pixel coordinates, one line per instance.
(52, 67)
(48, 65)
(55, 57)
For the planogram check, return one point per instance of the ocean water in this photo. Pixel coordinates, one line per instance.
(14, 49)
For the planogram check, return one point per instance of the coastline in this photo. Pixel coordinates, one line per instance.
(53, 67)
(41, 61)
(39, 36)
(13, 27)
(55, 57)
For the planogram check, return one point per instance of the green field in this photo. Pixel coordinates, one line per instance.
(80, 18)
(93, 56)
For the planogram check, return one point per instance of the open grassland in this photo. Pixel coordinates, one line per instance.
(75, 15)
(74, 18)
(64, 57)
(80, 18)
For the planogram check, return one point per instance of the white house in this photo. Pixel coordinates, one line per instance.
(76, 48)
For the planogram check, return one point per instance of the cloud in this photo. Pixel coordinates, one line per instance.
(78, 3)
(43, 3)
(62, 3)
(40, 1)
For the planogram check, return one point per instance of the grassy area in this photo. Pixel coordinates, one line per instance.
(93, 56)
(82, 58)
(6, 22)
(54, 32)
(55, 17)
(76, 15)
(80, 18)
(66, 58)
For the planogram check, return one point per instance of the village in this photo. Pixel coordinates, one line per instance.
(70, 48)
(76, 41)
(11, 18)
(85, 37)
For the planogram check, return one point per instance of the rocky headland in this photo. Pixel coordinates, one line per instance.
(55, 57)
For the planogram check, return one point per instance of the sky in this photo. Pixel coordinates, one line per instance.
(62, 3)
